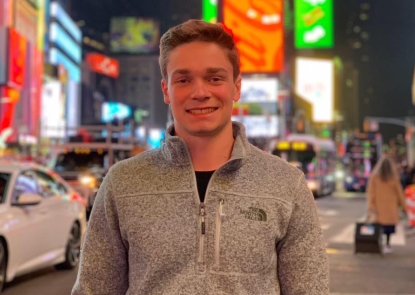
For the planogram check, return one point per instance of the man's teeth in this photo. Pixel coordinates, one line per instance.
(202, 111)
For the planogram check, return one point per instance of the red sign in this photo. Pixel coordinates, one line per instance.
(17, 58)
(8, 99)
(103, 64)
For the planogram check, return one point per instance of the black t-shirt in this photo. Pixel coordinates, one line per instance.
(202, 178)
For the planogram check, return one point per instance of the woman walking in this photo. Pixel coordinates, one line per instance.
(385, 196)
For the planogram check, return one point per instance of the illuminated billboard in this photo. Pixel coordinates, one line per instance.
(314, 82)
(65, 43)
(17, 58)
(258, 30)
(59, 13)
(53, 109)
(104, 65)
(257, 107)
(314, 23)
(210, 11)
(134, 35)
(115, 111)
(8, 99)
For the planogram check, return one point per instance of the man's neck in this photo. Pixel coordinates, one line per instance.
(209, 153)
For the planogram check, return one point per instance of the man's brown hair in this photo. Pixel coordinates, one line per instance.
(198, 31)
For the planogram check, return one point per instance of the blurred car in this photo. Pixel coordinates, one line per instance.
(42, 220)
(354, 183)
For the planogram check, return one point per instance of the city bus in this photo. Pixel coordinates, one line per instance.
(315, 157)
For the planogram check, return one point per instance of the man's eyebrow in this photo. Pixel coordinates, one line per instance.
(216, 70)
(181, 72)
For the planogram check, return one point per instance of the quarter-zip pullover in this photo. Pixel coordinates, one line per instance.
(257, 231)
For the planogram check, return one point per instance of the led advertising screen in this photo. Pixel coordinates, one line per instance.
(314, 23)
(258, 30)
(115, 111)
(104, 65)
(314, 82)
(210, 11)
(257, 107)
(17, 58)
(65, 43)
(53, 109)
(59, 13)
(134, 35)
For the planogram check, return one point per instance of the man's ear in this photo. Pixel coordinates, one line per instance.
(164, 88)
(238, 84)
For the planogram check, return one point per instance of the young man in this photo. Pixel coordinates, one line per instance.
(207, 213)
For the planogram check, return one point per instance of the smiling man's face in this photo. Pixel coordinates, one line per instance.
(200, 89)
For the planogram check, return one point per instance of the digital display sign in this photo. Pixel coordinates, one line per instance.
(134, 35)
(257, 107)
(210, 11)
(53, 109)
(313, 23)
(59, 13)
(103, 65)
(17, 58)
(258, 31)
(66, 44)
(314, 82)
(56, 57)
(115, 110)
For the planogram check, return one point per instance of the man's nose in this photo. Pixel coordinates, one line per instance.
(200, 90)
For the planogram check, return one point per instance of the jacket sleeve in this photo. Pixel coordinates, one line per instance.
(302, 258)
(371, 198)
(401, 196)
(104, 257)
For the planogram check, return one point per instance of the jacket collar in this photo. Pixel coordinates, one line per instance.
(175, 150)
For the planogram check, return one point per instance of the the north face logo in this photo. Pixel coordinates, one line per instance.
(254, 214)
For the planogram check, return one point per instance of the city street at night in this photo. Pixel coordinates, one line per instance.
(363, 274)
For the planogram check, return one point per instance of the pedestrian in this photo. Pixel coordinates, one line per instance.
(385, 196)
(207, 213)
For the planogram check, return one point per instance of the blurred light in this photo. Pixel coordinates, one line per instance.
(357, 29)
(365, 35)
(349, 83)
(357, 45)
(364, 16)
(349, 179)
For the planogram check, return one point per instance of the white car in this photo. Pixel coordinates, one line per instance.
(42, 220)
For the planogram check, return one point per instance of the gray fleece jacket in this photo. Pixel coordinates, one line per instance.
(256, 233)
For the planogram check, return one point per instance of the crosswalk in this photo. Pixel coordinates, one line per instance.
(346, 234)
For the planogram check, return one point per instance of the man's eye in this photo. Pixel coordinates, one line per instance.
(182, 81)
(215, 79)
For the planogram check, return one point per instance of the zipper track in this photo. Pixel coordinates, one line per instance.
(219, 218)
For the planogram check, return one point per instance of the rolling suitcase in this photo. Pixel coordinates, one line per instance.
(368, 238)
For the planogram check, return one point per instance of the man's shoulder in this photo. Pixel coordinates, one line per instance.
(262, 159)
(138, 162)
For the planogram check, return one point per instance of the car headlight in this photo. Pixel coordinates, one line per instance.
(312, 185)
(349, 179)
(88, 180)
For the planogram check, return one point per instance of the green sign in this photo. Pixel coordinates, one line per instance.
(313, 23)
(210, 11)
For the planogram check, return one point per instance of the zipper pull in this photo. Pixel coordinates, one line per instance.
(202, 214)
(222, 216)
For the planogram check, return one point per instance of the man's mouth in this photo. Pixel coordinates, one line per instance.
(202, 111)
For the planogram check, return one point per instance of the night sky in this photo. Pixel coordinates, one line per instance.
(385, 80)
